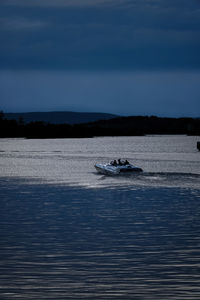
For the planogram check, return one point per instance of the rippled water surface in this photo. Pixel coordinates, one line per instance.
(68, 233)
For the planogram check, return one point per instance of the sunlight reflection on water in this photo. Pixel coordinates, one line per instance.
(166, 160)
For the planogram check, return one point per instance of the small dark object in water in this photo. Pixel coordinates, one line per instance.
(198, 146)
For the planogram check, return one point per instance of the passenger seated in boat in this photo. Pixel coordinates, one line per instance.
(127, 162)
(119, 162)
(115, 163)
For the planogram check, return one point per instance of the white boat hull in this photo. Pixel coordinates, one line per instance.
(115, 170)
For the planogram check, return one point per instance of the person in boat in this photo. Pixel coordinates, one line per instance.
(115, 163)
(119, 162)
(127, 162)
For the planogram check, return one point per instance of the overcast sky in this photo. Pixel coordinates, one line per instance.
(118, 56)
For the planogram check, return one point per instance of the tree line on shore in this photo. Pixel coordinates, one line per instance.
(120, 126)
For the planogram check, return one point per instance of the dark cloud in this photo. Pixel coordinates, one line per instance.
(65, 34)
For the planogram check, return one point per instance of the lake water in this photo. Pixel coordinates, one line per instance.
(67, 232)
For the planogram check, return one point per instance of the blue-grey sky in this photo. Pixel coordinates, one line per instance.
(120, 56)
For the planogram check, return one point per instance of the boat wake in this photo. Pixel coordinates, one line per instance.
(154, 179)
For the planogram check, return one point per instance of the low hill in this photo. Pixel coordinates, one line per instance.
(144, 125)
(121, 126)
(59, 117)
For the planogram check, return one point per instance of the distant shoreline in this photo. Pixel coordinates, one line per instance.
(59, 117)
(115, 126)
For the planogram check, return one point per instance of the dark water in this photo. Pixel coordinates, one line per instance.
(59, 242)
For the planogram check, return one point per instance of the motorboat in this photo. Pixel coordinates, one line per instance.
(114, 168)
